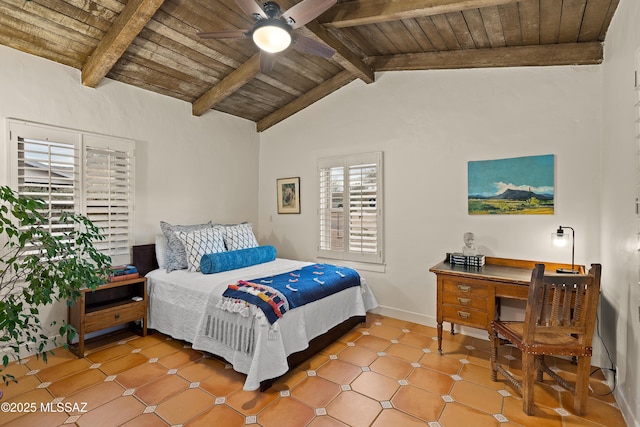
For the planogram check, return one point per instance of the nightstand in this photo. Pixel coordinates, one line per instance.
(111, 304)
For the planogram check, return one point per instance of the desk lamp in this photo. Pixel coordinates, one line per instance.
(561, 239)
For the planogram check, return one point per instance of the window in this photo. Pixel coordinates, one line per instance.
(73, 171)
(351, 206)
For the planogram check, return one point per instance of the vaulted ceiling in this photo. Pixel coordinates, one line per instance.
(153, 44)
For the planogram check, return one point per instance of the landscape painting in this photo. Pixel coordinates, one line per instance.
(516, 186)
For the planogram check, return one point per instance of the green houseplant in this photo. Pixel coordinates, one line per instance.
(38, 267)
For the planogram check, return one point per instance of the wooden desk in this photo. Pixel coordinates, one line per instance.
(469, 296)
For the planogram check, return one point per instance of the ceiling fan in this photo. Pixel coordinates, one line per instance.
(272, 32)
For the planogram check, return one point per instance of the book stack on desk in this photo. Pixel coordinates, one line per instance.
(466, 260)
(123, 272)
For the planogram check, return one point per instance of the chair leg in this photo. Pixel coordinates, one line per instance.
(494, 356)
(528, 367)
(582, 385)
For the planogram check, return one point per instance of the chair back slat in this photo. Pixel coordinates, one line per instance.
(578, 309)
(562, 303)
(566, 305)
(555, 305)
(542, 314)
(567, 293)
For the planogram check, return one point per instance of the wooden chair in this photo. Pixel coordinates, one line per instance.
(559, 320)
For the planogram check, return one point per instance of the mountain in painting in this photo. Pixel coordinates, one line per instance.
(522, 195)
(511, 194)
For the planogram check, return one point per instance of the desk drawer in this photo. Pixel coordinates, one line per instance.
(465, 316)
(475, 301)
(112, 316)
(465, 289)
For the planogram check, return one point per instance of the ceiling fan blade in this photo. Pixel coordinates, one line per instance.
(267, 61)
(251, 8)
(226, 34)
(305, 11)
(305, 44)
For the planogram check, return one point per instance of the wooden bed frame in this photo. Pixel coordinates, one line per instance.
(144, 258)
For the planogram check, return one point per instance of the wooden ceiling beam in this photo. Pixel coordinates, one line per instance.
(227, 86)
(517, 56)
(124, 30)
(363, 12)
(343, 56)
(315, 94)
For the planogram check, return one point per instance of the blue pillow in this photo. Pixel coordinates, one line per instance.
(231, 260)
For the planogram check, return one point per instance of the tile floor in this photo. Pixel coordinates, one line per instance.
(386, 372)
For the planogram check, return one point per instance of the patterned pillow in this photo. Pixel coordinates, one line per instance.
(200, 242)
(176, 257)
(239, 236)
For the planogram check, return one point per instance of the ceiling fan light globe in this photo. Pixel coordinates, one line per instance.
(272, 37)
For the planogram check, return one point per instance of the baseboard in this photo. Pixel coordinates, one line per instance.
(409, 316)
(626, 410)
(54, 342)
(423, 319)
(59, 342)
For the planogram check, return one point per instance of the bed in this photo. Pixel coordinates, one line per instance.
(186, 305)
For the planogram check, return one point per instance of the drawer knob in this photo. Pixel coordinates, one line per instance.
(464, 314)
(464, 301)
(117, 316)
(464, 288)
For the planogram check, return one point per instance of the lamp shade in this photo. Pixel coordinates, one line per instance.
(272, 35)
(560, 238)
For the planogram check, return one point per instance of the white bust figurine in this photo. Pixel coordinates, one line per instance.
(469, 244)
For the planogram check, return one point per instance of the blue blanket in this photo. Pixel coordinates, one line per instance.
(275, 295)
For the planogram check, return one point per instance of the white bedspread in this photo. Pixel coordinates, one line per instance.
(181, 304)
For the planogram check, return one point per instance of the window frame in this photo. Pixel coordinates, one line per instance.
(354, 252)
(83, 142)
(636, 89)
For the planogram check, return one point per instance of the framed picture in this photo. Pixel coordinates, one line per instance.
(516, 186)
(288, 195)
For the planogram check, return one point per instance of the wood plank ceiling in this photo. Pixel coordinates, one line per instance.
(152, 44)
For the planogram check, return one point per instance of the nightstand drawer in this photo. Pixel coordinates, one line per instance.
(465, 316)
(114, 316)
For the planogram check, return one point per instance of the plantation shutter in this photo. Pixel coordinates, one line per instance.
(332, 208)
(80, 172)
(363, 212)
(108, 194)
(350, 211)
(48, 171)
(46, 167)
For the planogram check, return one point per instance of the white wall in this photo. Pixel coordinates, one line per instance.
(620, 300)
(429, 125)
(188, 169)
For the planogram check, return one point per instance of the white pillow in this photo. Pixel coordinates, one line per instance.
(200, 242)
(161, 250)
(239, 236)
